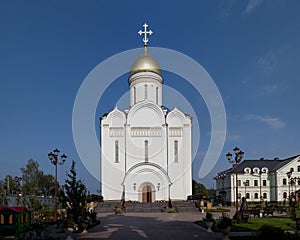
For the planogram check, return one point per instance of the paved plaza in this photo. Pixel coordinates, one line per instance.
(147, 226)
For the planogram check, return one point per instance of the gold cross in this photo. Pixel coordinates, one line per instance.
(145, 32)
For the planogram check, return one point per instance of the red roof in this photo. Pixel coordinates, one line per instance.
(16, 209)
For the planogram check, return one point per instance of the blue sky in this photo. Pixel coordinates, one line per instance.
(251, 49)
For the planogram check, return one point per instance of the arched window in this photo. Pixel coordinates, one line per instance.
(291, 169)
(10, 219)
(156, 95)
(134, 95)
(256, 195)
(284, 181)
(176, 151)
(264, 182)
(284, 195)
(146, 92)
(1, 219)
(116, 151)
(247, 195)
(146, 151)
(265, 196)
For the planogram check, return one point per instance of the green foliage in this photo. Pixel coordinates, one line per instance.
(74, 196)
(200, 188)
(35, 182)
(224, 222)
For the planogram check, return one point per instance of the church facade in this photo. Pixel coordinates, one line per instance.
(146, 153)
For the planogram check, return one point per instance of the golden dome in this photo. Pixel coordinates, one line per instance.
(145, 63)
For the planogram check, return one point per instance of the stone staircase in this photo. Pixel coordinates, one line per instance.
(109, 206)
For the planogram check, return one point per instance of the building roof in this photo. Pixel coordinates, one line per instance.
(16, 209)
(272, 164)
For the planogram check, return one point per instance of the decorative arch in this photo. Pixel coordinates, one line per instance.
(147, 167)
(176, 118)
(144, 106)
(116, 118)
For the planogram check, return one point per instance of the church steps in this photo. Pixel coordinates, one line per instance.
(183, 206)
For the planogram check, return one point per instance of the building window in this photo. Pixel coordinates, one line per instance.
(256, 195)
(239, 183)
(116, 151)
(247, 183)
(291, 169)
(146, 92)
(265, 196)
(2, 219)
(10, 219)
(240, 195)
(284, 181)
(176, 151)
(146, 151)
(264, 182)
(255, 183)
(298, 168)
(247, 195)
(298, 181)
(134, 95)
(284, 195)
(156, 95)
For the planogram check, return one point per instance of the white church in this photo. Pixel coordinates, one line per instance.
(146, 153)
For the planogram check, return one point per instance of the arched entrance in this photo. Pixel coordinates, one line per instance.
(147, 194)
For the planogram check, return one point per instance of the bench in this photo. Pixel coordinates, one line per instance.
(268, 211)
(254, 212)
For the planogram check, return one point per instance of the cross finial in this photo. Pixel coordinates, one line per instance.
(145, 32)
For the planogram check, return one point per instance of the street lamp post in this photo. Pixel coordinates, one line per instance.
(289, 174)
(239, 154)
(53, 157)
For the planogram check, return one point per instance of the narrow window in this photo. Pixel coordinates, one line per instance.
(284, 195)
(264, 182)
(265, 195)
(256, 195)
(284, 181)
(247, 183)
(146, 92)
(156, 95)
(134, 95)
(255, 183)
(146, 151)
(298, 168)
(2, 219)
(176, 151)
(239, 183)
(10, 221)
(247, 195)
(116, 151)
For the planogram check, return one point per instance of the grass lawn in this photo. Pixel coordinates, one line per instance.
(254, 224)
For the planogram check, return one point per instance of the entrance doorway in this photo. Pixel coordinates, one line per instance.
(146, 194)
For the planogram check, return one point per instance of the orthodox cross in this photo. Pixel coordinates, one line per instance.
(145, 32)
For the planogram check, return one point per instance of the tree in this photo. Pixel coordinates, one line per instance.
(3, 196)
(200, 188)
(74, 196)
(35, 182)
(30, 176)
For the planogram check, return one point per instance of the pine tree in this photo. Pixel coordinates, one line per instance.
(74, 196)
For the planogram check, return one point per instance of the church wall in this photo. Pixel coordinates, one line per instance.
(112, 155)
(179, 127)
